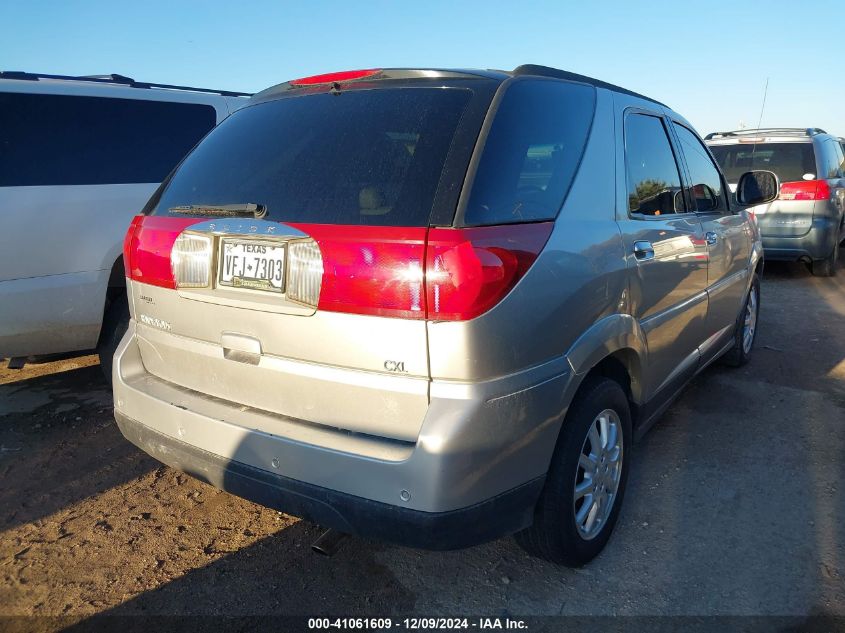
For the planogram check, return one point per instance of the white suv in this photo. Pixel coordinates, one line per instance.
(79, 157)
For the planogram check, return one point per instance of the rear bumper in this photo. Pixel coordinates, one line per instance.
(817, 243)
(474, 473)
(493, 518)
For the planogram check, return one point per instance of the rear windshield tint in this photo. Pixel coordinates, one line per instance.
(372, 157)
(531, 153)
(790, 161)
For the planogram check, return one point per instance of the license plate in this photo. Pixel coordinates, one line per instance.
(252, 264)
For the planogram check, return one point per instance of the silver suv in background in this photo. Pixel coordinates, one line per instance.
(79, 157)
(807, 221)
(434, 306)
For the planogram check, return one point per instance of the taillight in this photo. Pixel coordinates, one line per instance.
(305, 272)
(468, 271)
(441, 274)
(418, 273)
(190, 260)
(805, 190)
(371, 269)
(148, 247)
(129, 244)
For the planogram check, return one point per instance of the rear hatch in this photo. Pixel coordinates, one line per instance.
(281, 265)
(794, 162)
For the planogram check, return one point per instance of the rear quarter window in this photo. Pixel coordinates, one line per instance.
(831, 163)
(531, 153)
(73, 140)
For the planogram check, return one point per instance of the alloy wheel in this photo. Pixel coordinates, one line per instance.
(749, 327)
(598, 474)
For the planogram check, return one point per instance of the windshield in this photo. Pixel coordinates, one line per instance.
(359, 157)
(790, 161)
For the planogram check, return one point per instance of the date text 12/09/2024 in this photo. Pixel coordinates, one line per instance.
(415, 624)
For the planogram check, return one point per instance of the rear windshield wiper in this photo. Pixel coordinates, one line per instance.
(249, 209)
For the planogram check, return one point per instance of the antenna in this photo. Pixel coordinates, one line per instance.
(763, 107)
(760, 120)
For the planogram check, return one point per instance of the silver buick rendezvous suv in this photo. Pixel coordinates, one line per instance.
(434, 307)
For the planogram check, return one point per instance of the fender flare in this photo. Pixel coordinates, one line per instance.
(610, 335)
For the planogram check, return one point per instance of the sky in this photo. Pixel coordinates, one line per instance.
(707, 60)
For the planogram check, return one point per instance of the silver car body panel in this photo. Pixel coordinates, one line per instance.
(326, 369)
(476, 440)
(59, 244)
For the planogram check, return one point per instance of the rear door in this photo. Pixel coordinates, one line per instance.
(666, 250)
(726, 235)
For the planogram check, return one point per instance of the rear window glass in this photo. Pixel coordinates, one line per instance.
(531, 153)
(70, 140)
(790, 161)
(372, 157)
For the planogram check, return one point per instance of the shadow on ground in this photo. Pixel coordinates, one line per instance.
(59, 443)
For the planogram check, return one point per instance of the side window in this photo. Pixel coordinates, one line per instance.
(531, 153)
(838, 158)
(704, 175)
(71, 140)
(654, 183)
(828, 164)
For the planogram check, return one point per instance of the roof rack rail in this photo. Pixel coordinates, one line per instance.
(773, 131)
(116, 79)
(546, 71)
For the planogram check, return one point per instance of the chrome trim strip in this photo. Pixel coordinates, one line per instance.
(726, 282)
(247, 227)
(656, 320)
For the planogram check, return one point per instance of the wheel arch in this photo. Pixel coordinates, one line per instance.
(117, 280)
(115, 290)
(614, 347)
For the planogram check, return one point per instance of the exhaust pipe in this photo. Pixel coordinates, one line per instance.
(327, 543)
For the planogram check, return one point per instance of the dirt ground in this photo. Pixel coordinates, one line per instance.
(736, 506)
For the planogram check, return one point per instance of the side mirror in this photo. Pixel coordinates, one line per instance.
(757, 187)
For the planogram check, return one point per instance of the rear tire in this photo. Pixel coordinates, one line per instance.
(740, 353)
(826, 267)
(558, 534)
(115, 322)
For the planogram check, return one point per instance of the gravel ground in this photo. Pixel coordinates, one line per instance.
(736, 506)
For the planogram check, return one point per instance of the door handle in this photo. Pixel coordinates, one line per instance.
(711, 238)
(643, 250)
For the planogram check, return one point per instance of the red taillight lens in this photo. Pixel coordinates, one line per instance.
(454, 275)
(805, 190)
(404, 272)
(371, 269)
(468, 271)
(147, 247)
(330, 78)
(128, 241)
